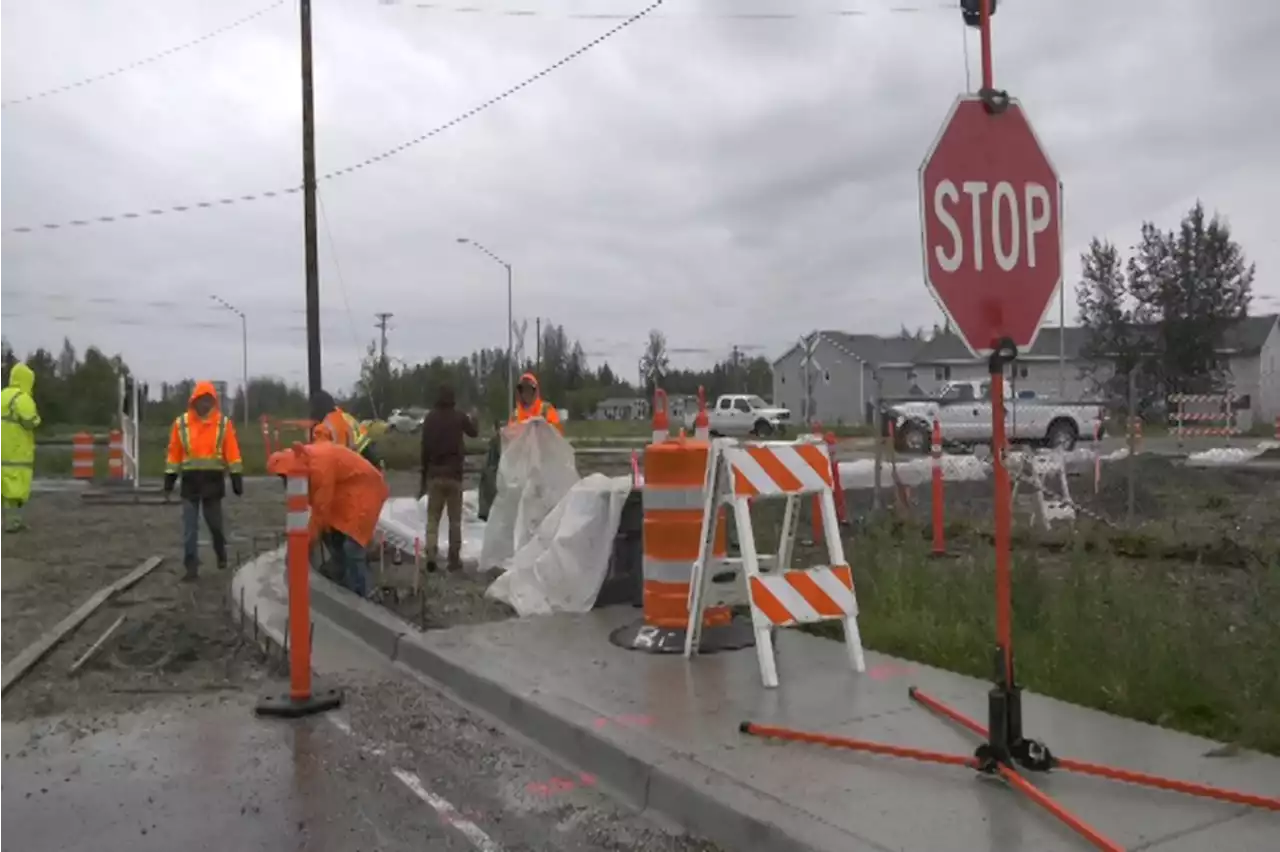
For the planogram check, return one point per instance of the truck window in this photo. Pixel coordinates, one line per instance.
(725, 404)
(958, 393)
(742, 405)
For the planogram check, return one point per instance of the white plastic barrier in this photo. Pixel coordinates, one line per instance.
(562, 566)
(403, 525)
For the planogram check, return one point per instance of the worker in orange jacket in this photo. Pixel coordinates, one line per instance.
(530, 404)
(334, 424)
(202, 450)
(346, 494)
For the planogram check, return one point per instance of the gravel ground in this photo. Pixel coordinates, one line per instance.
(176, 637)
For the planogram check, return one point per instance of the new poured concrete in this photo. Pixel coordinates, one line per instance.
(665, 732)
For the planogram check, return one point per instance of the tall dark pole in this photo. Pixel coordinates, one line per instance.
(314, 381)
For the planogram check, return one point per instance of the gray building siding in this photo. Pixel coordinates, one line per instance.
(841, 384)
(1267, 407)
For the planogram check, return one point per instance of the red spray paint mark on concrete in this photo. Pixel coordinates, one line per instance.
(888, 671)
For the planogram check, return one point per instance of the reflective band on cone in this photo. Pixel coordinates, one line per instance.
(82, 455)
(300, 700)
(115, 454)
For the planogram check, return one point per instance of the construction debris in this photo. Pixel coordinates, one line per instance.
(93, 649)
(35, 652)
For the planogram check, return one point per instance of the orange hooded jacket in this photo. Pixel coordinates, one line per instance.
(346, 492)
(539, 407)
(202, 449)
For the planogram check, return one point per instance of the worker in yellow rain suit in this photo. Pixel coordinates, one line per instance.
(18, 443)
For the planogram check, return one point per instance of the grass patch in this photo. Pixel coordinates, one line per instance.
(1184, 646)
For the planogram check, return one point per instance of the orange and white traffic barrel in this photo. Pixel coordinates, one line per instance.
(675, 472)
(82, 455)
(115, 454)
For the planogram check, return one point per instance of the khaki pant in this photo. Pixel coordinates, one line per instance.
(444, 494)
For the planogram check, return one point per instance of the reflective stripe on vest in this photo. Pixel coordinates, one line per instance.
(359, 436)
(11, 413)
(191, 461)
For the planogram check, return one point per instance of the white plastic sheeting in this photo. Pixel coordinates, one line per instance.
(563, 565)
(1226, 456)
(861, 473)
(536, 472)
(403, 525)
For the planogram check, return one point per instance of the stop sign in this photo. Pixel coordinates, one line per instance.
(991, 215)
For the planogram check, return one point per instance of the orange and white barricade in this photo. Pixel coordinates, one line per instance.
(739, 473)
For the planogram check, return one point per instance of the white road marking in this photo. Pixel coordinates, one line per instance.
(447, 812)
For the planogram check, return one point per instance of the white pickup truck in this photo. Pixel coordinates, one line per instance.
(963, 410)
(743, 414)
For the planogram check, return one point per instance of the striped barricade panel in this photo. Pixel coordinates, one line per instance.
(803, 597)
(778, 469)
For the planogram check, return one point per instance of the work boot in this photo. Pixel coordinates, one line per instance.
(431, 566)
(455, 563)
(191, 574)
(222, 564)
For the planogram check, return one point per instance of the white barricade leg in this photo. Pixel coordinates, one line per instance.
(835, 547)
(762, 626)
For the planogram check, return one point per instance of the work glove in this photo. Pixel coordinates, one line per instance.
(237, 484)
(170, 479)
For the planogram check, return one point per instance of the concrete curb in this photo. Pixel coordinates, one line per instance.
(268, 638)
(671, 786)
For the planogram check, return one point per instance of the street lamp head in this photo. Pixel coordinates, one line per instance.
(463, 240)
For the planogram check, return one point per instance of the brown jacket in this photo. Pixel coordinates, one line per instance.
(443, 431)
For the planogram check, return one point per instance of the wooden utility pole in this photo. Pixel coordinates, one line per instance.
(538, 346)
(314, 380)
(383, 317)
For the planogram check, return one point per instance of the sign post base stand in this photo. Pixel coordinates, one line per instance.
(285, 706)
(1005, 750)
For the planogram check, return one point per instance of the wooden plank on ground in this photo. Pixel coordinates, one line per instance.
(93, 649)
(33, 653)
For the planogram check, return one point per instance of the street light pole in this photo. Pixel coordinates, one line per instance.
(244, 351)
(511, 320)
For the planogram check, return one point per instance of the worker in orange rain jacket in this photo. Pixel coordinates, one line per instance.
(334, 424)
(202, 450)
(346, 493)
(530, 404)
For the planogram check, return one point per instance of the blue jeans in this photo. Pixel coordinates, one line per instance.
(352, 559)
(191, 531)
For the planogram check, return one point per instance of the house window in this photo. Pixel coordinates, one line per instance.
(1022, 372)
(942, 374)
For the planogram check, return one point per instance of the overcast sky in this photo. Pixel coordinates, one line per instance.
(726, 180)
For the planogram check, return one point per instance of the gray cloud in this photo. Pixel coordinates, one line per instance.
(726, 180)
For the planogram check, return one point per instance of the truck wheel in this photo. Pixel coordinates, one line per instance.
(914, 440)
(1061, 435)
(762, 429)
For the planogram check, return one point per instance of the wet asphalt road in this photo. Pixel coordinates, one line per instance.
(399, 767)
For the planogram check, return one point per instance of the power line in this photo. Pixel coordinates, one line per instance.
(138, 63)
(387, 154)
(847, 11)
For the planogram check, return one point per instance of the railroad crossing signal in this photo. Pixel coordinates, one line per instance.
(991, 221)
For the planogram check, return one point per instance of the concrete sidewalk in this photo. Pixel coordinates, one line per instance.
(662, 734)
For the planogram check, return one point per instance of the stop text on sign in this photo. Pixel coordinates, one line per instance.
(1017, 219)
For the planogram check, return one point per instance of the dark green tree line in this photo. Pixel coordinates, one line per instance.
(1162, 312)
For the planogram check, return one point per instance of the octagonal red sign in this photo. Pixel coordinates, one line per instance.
(991, 221)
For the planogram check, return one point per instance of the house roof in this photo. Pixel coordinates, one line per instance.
(1250, 334)
(1246, 337)
(869, 348)
(949, 346)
